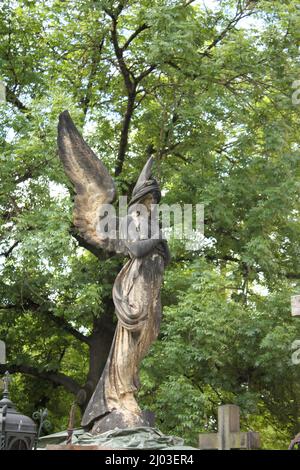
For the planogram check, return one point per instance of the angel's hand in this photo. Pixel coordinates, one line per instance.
(141, 248)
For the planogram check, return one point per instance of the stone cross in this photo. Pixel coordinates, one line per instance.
(2, 92)
(6, 380)
(295, 302)
(229, 435)
(2, 353)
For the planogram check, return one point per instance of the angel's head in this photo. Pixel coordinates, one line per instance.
(146, 190)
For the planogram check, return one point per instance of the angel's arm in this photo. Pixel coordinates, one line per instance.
(140, 248)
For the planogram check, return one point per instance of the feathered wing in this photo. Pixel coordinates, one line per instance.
(93, 184)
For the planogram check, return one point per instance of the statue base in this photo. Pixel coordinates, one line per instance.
(143, 438)
(118, 420)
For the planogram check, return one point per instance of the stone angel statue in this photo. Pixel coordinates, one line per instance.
(136, 291)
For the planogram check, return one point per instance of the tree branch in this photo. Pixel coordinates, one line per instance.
(140, 29)
(87, 98)
(62, 323)
(12, 98)
(129, 83)
(124, 133)
(10, 249)
(232, 23)
(188, 2)
(292, 275)
(144, 26)
(56, 378)
(145, 73)
(101, 254)
(45, 308)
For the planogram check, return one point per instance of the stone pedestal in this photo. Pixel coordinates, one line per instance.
(77, 447)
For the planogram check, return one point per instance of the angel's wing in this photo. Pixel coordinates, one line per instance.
(93, 184)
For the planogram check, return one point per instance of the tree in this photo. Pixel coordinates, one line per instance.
(208, 92)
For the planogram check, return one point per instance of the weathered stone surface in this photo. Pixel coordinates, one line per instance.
(295, 303)
(2, 352)
(136, 291)
(117, 419)
(229, 435)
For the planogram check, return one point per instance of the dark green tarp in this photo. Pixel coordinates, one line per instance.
(132, 438)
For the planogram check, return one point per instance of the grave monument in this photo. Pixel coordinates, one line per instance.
(136, 291)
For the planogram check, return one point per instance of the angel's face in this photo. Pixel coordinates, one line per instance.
(147, 201)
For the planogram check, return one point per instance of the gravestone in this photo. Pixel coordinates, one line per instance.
(295, 303)
(2, 92)
(2, 352)
(229, 435)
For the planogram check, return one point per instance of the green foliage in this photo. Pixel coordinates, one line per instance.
(213, 350)
(213, 103)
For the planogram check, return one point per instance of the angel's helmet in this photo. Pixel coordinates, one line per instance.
(146, 184)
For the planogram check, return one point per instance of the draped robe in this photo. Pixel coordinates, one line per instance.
(136, 295)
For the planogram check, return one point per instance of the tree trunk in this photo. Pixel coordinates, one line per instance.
(99, 346)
